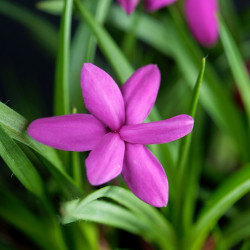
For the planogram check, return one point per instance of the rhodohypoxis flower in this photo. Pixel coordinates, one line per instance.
(115, 133)
(150, 5)
(202, 21)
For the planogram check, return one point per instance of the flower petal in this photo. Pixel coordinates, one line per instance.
(158, 132)
(105, 162)
(128, 5)
(144, 175)
(152, 5)
(202, 21)
(102, 96)
(140, 92)
(76, 132)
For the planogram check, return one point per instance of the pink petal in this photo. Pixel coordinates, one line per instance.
(202, 21)
(144, 175)
(105, 162)
(128, 5)
(102, 96)
(152, 5)
(76, 132)
(158, 132)
(140, 92)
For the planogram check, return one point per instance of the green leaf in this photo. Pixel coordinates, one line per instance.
(20, 165)
(83, 49)
(184, 150)
(220, 201)
(62, 103)
(45, 35)
(52, 6)
(107, 45)
(103, 212)
(237, 66)
(15, 126)
(135, 216)
(196, 163)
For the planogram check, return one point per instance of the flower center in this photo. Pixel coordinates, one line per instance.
(117, 131)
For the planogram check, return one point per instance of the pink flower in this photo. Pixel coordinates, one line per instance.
(150, 5)
(115, 133)
(202, 21)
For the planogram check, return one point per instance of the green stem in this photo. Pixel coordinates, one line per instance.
(62, 103)
(77, 173)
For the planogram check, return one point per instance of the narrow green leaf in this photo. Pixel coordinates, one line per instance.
(62, 103)
(196, 163)
(220, 201)
(237, 66)
(185, 144)
(184, 150)
(52, 6)
(196, 92)
(107, 45)
(102, 212)
(83, 50)
(151, 223)
(15, 126)
(20, 165)
(46, 35)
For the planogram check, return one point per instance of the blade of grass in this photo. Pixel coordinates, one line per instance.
(220, 201)
(194, 171)
(183, 153)
(61, 100)
(83, 49)
(15, 126)
(107, 45)
(53, 6)
(149, 222)
(102, 212)
(237, 66)
(20, 165)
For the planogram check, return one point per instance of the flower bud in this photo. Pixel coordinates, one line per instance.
(202, 20)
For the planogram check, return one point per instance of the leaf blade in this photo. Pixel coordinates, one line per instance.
(147, 217)
(222, 199)
(62, 102)
(20, 165)
(15, 126)
(237, 66)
